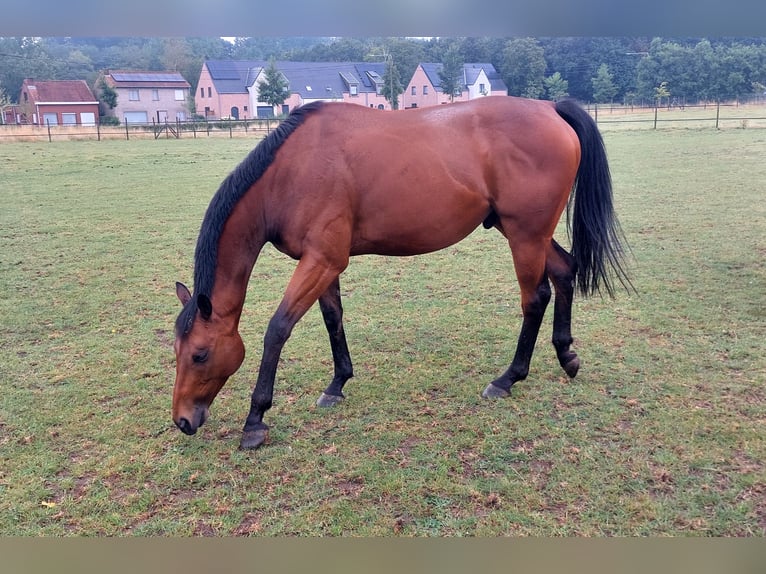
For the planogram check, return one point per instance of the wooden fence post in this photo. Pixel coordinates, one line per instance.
(717, 112)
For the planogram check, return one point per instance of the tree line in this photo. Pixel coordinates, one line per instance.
(622, 70)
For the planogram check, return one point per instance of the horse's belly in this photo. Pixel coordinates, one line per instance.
(411, 228)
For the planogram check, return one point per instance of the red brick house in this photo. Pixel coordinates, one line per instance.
(57, 103)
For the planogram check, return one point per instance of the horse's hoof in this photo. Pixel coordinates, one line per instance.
(572, 367)
(494, 392)
(326, 400)
(253, 439)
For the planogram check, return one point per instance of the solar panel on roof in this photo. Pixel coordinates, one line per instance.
(143, 77)
(223, 70)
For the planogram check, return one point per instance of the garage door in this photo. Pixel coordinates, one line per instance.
(136, 118)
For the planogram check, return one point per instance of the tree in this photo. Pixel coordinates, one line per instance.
(392, 84)
(660, 92)
(273, 89)
(604, 89)
(106, 94)
(451, 73)
(523, 67)
(556, 87)
(5, 102)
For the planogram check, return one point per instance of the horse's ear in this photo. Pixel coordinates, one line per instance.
(183, 294)
(205, 307)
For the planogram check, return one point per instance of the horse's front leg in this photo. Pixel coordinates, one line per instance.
(256, 432)
(332, 312)
(311, 279)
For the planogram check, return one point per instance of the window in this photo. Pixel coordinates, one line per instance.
(202, 92)
(179, 95)
(482, 89)
(425, 90)
(209, 92)
(133, 95)
(353, 90)
(69, 119)
(414, 91)
(50, 119)
(155, 95)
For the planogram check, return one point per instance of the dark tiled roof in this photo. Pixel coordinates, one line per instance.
(59, 91)
(312, 80)
(470, 74)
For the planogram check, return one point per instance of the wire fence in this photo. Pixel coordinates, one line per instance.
(714, 115)
(168, 130)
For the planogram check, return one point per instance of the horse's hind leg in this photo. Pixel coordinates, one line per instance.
(560, 267)
(529, 261)
(332, 312)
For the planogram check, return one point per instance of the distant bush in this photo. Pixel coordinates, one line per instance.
(109, 121)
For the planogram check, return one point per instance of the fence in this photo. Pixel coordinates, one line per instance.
(609, 117)
(167, 130)
(715, 115)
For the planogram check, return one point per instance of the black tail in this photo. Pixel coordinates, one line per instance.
(597, 240)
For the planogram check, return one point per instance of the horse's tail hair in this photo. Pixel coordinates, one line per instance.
(596, 237)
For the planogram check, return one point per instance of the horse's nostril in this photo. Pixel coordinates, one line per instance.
(185, 426)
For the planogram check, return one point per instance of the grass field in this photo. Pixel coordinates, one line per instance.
(662, 432)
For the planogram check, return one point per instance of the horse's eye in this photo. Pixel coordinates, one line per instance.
(200, 357)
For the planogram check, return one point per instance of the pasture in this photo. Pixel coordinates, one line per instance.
(661, 433)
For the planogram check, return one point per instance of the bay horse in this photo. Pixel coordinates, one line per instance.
(338, 179)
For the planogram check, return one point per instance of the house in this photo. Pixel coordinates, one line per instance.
(57, 102)
(229, 89)
(424, 89)
(147, 97)
(10, 114)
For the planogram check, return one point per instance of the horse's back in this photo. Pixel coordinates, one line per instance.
(418, 180)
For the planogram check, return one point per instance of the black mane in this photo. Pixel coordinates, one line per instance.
(236, 184)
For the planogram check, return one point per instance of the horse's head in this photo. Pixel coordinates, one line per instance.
(208, 351)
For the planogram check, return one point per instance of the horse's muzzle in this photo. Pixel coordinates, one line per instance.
(189, 427)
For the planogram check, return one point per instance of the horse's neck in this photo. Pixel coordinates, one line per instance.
(237, 253)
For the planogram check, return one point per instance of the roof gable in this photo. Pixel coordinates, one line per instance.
(471, 73)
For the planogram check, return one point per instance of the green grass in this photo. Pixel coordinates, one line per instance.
(660, 434)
